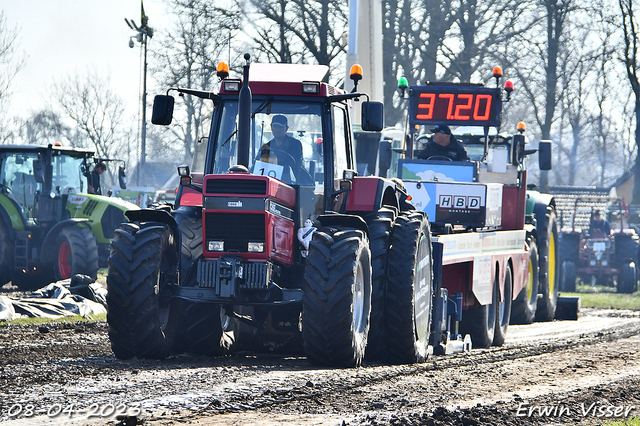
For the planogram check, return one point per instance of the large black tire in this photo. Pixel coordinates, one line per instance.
(480, 322)
(139, 310)
(626, 249)
(199, 329)
(189, 222)
(409, 303)
(76, 252)
(627, 281)
(6, 255)
(503, 309)
(524, 307)
(380, 226)
(569, 276)
(549, 266)
(337, 298)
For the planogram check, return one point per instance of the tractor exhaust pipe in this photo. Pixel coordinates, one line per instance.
(244, 116)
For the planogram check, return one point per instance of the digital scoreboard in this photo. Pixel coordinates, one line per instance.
(468, 105)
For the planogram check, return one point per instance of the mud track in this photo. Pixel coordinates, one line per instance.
(583, 372)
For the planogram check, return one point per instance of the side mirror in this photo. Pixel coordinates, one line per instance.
(122, 177)
(162, 110)
(544, 155)
(517, 149)
(384, 157)
(38, 171)
(372, 116)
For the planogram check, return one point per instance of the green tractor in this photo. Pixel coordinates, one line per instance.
(50, 227)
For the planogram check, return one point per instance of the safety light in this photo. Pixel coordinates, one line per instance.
(508, 86)
(215, 245)
(521, 127)
(356, 73)
(497, 72)
(57, 144)
(402, 83)
(308, 87)
(231, 85)
(223, 70)
(255, 247)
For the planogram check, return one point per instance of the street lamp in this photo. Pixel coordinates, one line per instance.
(144, 32)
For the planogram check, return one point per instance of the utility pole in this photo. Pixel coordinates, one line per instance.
(144, 34)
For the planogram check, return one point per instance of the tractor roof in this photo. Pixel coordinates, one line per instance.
(78, 152)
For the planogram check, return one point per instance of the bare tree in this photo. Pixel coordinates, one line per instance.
(90, 105)
(631, 61)
(300, 31)
(11, 61)
(188, 57)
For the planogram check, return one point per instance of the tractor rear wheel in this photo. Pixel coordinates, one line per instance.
(549, 267)
(6, 255)
(139, 309)
(503, 309)
(569, 276)
(409, 289)
(380, 226)
(627, 282)
(76, 253)
(524, 307)
(337, 297)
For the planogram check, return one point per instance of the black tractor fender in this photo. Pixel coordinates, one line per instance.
(346, 220)
(49, 252)
(158, 215)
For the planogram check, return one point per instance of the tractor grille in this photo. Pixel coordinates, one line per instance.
(244, 275)
(235, 229)
(90, 207)
(239, 186)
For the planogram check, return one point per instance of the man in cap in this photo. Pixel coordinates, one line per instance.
(281, 141)
(598, 225)
(443, 144)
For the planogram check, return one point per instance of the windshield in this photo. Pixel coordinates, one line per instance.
(286, 141)
(68, 176)
(17, 179)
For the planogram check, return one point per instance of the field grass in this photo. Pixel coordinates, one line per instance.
(75, 318)
(605, 297)
(629, 422)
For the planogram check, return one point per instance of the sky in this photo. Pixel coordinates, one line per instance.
(60, 38)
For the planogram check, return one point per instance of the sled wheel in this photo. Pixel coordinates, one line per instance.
(503, 309)
(524, 307)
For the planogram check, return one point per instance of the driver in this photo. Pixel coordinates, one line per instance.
(442, 143)
(282, 141)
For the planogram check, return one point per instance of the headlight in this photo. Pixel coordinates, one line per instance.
(593, 263)
(215, 245)
(604, 263)
(255, 247)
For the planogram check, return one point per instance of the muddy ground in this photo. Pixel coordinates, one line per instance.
(565, 372)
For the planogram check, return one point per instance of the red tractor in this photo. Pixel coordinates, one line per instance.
(275, 246)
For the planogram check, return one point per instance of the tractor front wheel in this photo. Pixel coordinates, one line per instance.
(139, 309)
(76, 253)
(337, 297)
(6, 255)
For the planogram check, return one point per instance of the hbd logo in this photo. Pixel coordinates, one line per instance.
(459, 202)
